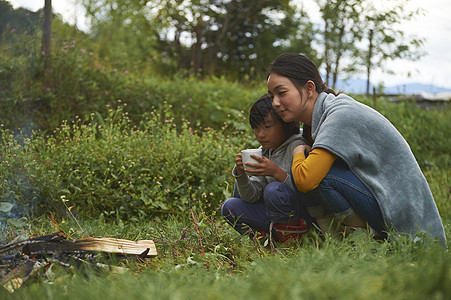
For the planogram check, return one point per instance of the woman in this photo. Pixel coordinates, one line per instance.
(364, 171)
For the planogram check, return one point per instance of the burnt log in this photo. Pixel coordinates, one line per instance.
(53, 237)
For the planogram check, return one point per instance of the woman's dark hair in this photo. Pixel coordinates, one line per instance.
(299, 69)
(262, 107)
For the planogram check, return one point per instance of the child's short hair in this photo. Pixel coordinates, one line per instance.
(262, 107)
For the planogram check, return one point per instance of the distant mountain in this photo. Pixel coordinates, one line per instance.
(415, 88)
(358, 86)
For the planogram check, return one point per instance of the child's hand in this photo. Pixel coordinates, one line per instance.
(266, 167)
(239, 164)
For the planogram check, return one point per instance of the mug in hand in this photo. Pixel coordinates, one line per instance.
(246, 156)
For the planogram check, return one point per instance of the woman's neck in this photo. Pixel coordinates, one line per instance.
(310, 106)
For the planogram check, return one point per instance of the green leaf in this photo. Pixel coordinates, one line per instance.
(5, 206)
(100, 119)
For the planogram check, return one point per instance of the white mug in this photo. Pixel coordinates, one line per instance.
(246, 157)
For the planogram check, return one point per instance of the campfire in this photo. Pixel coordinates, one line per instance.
(34, 255)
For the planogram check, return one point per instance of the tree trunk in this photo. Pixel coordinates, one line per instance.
(184, 61)
(368, 62)
(196, 60)
(326, 50)
(338, 54)
(209, 61)
(326, 42)
(47, 34)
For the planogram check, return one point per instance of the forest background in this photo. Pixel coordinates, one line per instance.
(123, 130)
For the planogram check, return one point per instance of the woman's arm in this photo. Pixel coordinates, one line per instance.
(308, 172)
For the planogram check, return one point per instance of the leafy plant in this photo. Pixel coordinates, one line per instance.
(110, 166)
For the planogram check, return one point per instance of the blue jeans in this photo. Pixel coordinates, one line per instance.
(280, 205)
(341, 193)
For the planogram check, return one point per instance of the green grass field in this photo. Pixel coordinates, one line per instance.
(199, 255)
(229, 266)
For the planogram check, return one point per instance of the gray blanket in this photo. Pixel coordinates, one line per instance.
(377, 153)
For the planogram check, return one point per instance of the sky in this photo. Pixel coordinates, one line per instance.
(434, 68)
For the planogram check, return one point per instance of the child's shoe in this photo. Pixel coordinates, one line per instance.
(287, 233)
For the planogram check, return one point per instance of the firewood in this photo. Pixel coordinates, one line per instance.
(37, 250)
(144, 248)
(53, 237)
(118, 246)
(56, 242)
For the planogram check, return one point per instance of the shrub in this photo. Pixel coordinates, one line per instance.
(110, 166)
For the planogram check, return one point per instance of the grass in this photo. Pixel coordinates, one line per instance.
(200, 256)
(229, 266)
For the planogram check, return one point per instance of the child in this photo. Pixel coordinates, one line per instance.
(268, 195)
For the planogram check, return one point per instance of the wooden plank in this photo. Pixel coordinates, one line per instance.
(111, 245)
(52, 243)
(108, 245)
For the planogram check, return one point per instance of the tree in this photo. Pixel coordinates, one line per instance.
(385, 42)
(365, 36)
(342, 30)
(205, 37)
(47, 34)
(125, 31)
(227, 37)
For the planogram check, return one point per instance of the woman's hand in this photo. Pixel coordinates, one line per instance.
(265, 167)
(302, 149)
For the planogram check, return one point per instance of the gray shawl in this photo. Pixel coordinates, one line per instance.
(381, 158)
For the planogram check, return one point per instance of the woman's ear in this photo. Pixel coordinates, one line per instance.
(310, 87)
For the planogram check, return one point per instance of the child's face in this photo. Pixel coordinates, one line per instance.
(270, 133)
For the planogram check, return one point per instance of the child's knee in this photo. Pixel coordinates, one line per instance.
(273, 193)
(229, 206)
(225, 208)
(272, 188)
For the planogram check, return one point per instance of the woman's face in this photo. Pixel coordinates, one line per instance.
(290, 103)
